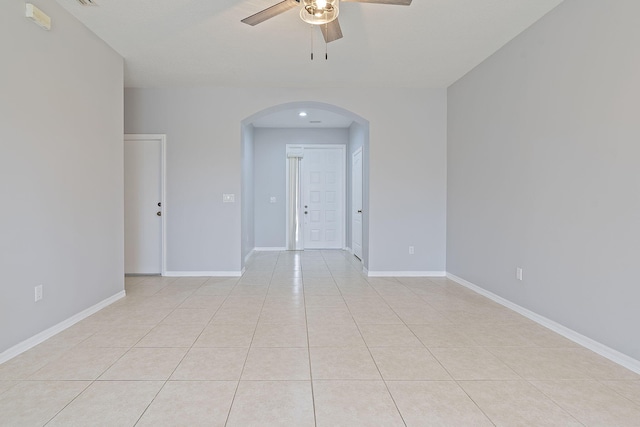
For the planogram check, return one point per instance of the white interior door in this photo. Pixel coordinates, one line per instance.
(142, 205)
(323, 197)
(356, 203)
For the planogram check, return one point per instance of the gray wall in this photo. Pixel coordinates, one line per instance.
(203, 126)
(247, 197)
(407, 194)
(270, 177)
(359, 138)
(61, 171)
(543, 171)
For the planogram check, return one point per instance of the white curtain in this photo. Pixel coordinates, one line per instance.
(295, 242)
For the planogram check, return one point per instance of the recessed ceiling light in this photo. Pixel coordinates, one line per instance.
(302, 114)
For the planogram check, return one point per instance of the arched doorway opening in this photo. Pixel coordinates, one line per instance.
(265, 136)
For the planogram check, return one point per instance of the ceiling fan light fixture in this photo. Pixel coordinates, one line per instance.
(319, 12)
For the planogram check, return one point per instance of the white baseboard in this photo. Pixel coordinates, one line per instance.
(406, 273)
(246, 258)
(269, 249)
(599, 348)
(203, 273)
(48, 333)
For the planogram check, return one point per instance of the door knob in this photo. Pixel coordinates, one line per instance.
(360, 211)
(159, 213)
(159, 204)
(305, 212)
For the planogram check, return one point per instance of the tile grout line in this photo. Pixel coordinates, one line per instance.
(554, 402)
(386, 386)
(233, 399)
(97, 379)
(306, 324)
(438, 360)
(429, 351)
(185, 354)
(369, 349)
(324, 266)
(601, 381)
(69, 403)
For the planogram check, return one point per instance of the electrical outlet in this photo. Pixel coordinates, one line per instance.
(519, 273)
(38, 293)
(411, 250)
(228, 198)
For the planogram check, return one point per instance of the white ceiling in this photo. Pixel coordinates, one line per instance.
(432, 43)
(315, 118)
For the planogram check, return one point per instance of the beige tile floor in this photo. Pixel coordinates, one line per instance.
(304, 339)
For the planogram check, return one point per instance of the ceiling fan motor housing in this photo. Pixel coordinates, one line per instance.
(323, 13)
(318, 12)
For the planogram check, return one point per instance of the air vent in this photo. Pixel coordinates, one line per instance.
(315, 121)
(88, 2)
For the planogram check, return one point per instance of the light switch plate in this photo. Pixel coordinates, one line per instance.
(228, 198)
(38, 293)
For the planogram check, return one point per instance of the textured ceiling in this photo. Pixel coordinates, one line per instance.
(432, 43)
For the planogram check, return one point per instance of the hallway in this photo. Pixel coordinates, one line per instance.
(304, 339)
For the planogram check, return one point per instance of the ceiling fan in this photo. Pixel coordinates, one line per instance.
(323, 13)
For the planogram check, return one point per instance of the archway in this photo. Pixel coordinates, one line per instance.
(283, 122)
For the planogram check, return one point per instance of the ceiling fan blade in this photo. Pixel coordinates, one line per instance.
(331, 31)
(270, 12)
(396, 2)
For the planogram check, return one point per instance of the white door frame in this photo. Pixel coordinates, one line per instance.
(353, 208)
(162, 139)
(343, 170)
